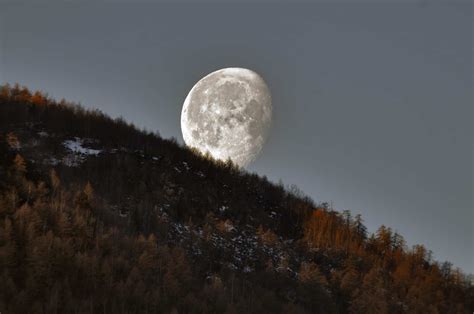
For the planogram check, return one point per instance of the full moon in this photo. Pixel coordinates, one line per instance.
(228, 113)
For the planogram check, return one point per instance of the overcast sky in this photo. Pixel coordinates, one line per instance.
(372, 102)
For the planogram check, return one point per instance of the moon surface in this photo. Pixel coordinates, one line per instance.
(228, 113)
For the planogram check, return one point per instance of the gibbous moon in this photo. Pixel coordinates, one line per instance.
(228, 113)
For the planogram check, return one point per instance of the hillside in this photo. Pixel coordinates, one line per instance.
(97, 216)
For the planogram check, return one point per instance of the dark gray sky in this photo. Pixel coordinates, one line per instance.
(372, 102)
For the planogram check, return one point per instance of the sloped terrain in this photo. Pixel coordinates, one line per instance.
(97, 216)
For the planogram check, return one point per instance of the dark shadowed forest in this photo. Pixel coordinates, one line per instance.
(97, 216)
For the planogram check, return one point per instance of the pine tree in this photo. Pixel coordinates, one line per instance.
(89, 192)
(350, 279)
(54, 179)
(13, 141)
(310, 273)
(371, 297)
(19, 165)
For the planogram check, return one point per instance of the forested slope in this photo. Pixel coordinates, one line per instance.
(97, 216)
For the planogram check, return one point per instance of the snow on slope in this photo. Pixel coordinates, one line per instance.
(76, 147)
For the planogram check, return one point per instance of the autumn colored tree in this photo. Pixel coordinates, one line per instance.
(372, 295)
(38, 99)
(310, 273)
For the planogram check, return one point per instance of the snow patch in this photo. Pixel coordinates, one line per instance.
(200, 174)
(76, 147)
(247, 269)
(51, 161)
(185, 164)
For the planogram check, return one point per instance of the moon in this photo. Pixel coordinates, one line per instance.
(228, 113)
